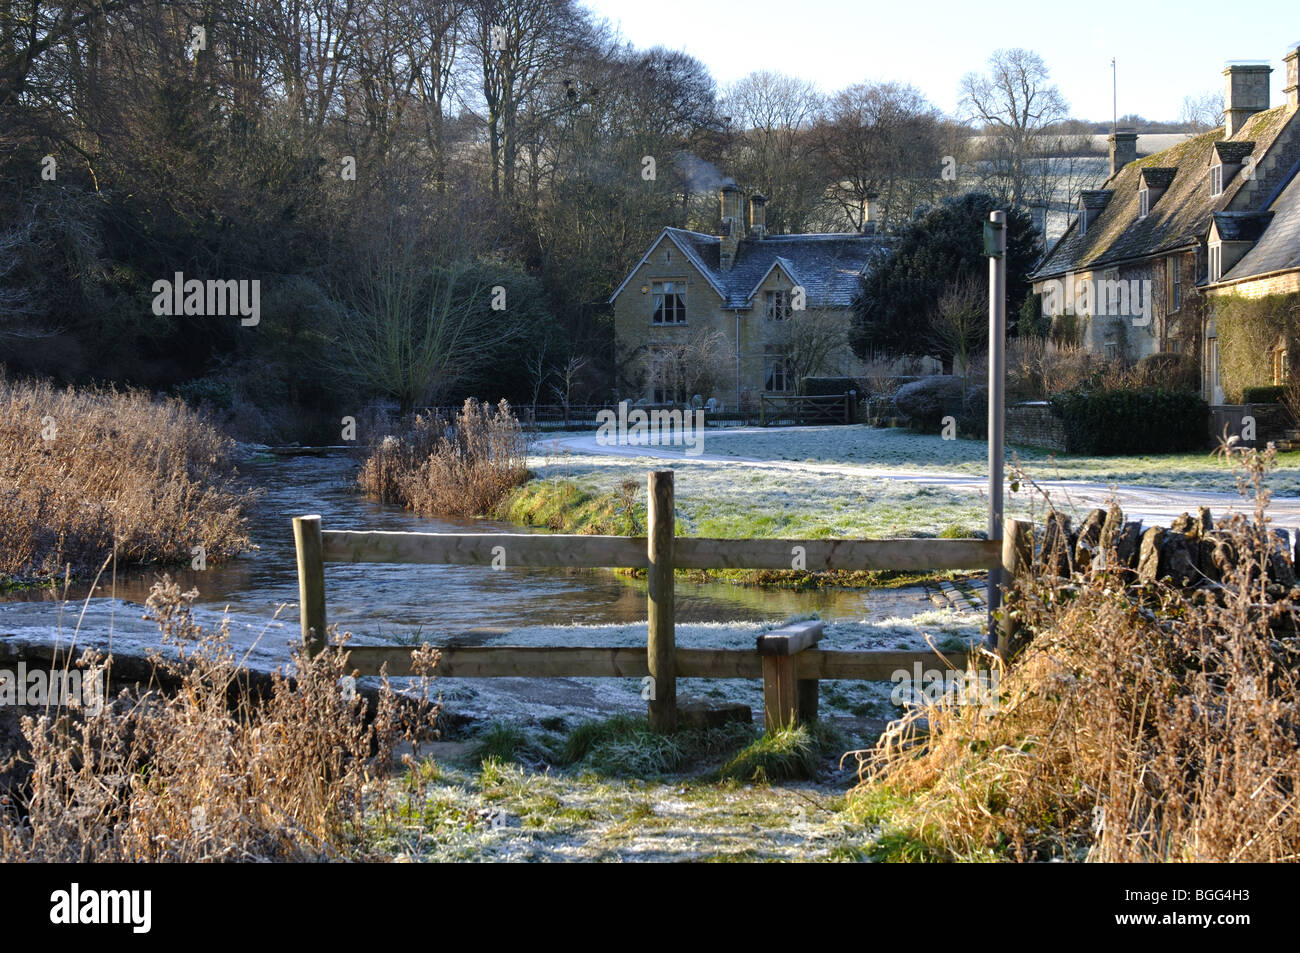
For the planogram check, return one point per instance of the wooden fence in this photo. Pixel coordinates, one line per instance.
(787, 660)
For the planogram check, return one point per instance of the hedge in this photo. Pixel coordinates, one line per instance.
(1136, 420)
(1272, 394)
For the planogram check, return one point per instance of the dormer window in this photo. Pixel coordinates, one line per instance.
(1155, 180)
(1083, 221)
(1216, 262)
(1216, 180)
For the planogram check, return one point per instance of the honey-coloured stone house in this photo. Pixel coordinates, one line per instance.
(745, 290)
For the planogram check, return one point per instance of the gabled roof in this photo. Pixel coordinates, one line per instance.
(1158, 177)
(1240, 226)
(1232, 151)
(826, 266)
(1182, 216)
(785, 265)
(1278, 248)
(698, 253)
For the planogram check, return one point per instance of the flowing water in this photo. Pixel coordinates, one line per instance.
(383, 602)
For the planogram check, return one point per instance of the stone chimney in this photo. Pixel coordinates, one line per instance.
(732, 223)
(1245, 95)
(757, 215)
(1292, 61)
(1123, 149)
(870, 213)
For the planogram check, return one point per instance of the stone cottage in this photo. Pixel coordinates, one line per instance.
(741, 313)
(1138, 270)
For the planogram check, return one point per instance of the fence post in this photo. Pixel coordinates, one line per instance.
(1017, 557)
(661, 642)
(311, 581)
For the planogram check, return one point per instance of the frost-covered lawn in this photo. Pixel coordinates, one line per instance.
(902, 450)
(507, 812)
(737, 500)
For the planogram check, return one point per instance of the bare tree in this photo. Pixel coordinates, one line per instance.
(697, 365)
(772, 115)
(812, 343)
(410, 328)
(959, 324)
(1203, 112)
(1013, 103)
(881, 140)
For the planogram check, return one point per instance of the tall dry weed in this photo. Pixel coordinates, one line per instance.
(86, 474)
(464, 467)
(1140, 723)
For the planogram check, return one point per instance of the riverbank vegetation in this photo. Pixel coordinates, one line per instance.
(1152, 724)
(95, 475)
(186, 775)
(463, 467)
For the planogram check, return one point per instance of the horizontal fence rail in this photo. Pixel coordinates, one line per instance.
(569, 661)
(630, 552)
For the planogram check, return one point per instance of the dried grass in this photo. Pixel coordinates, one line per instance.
(185, 775)
(1151, 725)
(120, 472)
(463, 468)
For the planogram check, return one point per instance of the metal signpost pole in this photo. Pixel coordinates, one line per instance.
(995, 247)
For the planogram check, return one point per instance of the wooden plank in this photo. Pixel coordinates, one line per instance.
(542, 549)
(807, 690)
(780, 694)
(790, 639)
(531, 661)
(815, 554)
(870, 666)
(481, 549)
(311, 581)
(1017, 557)
(661, 639)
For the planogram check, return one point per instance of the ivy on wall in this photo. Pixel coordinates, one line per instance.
(1248, 329)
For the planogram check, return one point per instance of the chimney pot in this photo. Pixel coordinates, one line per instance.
(870, 213)
(1292, 88)
(1245, 95)
(731, 224)
(757, 215)
(1123, 149)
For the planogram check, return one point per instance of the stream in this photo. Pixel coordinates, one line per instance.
(379, 603)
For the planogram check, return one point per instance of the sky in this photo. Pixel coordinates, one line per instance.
(1164, 51)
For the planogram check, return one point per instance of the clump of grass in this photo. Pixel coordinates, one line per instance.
(464, 467)
(564, 507)
(504, 742)
(1140, 723)
(89, 474)
(185, 775)
(624, 746)
(784, 755)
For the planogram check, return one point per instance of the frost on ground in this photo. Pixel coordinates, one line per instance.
(905, 451)
(511, 813)
(741, 500)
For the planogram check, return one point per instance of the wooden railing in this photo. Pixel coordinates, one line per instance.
(660, 553)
